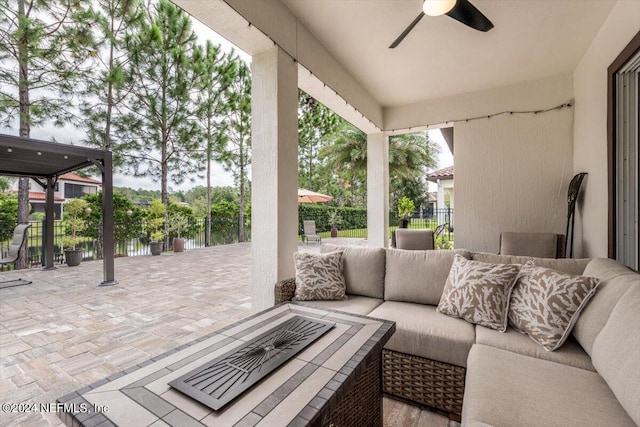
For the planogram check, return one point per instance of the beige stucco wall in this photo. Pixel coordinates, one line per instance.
(590, 127)
(512, 171)
(512, 174)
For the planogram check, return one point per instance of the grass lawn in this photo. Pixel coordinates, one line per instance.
(362, 232)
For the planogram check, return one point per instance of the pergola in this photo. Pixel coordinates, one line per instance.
(45, 162)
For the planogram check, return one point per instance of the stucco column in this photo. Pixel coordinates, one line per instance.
(441, 204)
(274, 172)
(378, 190)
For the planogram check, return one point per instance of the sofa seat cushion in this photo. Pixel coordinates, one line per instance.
(363, 269)
(418, 276)
(565, 265)
(422, 331)
(355, 304)
(509, 389)
(569, 354)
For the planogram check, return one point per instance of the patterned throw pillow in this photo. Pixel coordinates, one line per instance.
(479, 292)
(319, 276)
(545, 304)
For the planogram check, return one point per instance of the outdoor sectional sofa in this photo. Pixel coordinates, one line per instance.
(487, 377)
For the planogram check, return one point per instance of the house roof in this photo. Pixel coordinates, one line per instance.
(72, 176)
(444, 173)
(41, 196)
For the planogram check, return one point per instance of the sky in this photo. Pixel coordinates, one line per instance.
(69, 134)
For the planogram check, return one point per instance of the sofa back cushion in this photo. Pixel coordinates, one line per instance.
(418, 276)
(363, 269)
(615, 280)
(616, 351)
(564, 265)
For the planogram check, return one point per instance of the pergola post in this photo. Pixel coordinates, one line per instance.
(378, 190)
(274, 172)
(50, 219)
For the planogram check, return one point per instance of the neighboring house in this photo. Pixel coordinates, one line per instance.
(444, 179)
(37, 200)
(431, 204)
(69, 186)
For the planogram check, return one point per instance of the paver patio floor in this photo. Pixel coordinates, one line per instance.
(63, 331)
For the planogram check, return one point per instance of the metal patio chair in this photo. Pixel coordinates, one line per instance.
(309, 232)
(19, 240)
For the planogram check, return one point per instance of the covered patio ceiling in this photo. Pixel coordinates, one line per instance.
(45, 162)
(531, 40)
(442, 57)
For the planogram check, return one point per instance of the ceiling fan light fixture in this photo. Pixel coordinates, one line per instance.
(437, 7)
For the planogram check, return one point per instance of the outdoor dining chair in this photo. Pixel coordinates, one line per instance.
(415, 240)
(539, 245)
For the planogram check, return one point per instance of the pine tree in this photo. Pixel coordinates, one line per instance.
(45, 49)
(235, 152)
(315, 123)
(216, 72)
(105, 91)
(158, 126)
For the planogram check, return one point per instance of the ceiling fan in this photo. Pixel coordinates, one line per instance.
(460, 10)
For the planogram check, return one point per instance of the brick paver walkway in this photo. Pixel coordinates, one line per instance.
(63, 331)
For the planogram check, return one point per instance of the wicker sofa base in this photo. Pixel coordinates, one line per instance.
(361, 403)
(424, 381)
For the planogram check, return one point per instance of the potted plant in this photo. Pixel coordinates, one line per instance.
(334, 221)
(177, 223)
(155, 221)
(405, 210)
(75, 222)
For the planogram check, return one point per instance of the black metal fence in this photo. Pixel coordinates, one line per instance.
(224, 230)
(354, 224)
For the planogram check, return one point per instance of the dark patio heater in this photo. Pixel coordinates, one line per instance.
(572, 197)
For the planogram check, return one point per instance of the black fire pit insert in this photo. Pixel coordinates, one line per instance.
(219, 381)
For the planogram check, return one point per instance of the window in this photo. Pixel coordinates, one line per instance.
(74, 191)
(624, 156)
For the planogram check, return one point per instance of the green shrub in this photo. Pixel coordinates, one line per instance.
(351, 218)
(127, 218)
(8, 215)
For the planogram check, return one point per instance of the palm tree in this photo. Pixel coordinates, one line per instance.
(346, 151)
(409, 156)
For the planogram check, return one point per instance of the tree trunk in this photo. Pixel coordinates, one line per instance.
(241, 233)
(164, 195)
(207, 235)
(25, 130)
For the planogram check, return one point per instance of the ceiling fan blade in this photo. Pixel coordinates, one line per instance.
(406, 31)
(467, 13)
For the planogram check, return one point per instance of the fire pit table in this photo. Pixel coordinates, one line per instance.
(222, 379)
